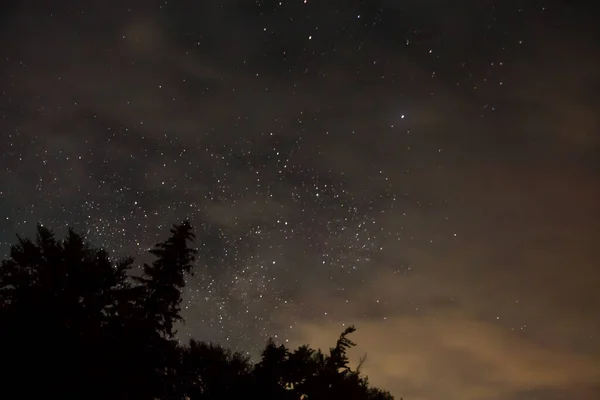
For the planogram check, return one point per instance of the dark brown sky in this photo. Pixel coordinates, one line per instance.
(425, 170)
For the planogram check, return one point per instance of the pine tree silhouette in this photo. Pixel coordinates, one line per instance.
(165, 278)
(57, 298)
(157, 356)
(75, 324)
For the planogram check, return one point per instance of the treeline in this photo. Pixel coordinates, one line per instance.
(75, 324)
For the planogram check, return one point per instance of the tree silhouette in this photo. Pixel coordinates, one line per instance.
(165, 278)
(75, 323)
(57, 298)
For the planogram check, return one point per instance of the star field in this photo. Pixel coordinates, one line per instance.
(426, 171)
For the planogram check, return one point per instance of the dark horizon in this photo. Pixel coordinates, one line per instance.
(423, 170)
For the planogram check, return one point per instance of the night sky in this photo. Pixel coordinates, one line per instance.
(427, 170)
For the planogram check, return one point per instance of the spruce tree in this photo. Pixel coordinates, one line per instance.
(74, 324)
(165, 277)
(57, 299)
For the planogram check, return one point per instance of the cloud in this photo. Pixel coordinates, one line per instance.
(501, 309)
(454, 357)
(441, 352)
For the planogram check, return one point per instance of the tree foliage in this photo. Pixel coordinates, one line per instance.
(75, 323)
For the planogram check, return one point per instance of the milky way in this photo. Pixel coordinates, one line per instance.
(425, 170)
